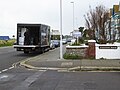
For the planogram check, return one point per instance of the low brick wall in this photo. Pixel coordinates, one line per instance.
(77, 50)
(96, 51)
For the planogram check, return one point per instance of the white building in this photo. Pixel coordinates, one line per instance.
(55, 32)
(76, 34)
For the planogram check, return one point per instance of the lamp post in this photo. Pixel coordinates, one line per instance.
(73, 15)
(61, 54)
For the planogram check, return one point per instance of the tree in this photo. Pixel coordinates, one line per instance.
(95, 21)
(81, 29)
(87, 34)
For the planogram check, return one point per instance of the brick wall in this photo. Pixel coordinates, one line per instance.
(77, 51)
(83, 51)
(91, 52)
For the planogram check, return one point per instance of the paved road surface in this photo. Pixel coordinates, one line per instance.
(22, 79)
(8, 56)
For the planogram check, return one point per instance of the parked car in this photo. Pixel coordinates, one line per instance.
(52, 46)
(64, 41)
(56, 43)
(69, 39)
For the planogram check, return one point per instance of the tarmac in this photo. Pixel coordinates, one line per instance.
(50, 61)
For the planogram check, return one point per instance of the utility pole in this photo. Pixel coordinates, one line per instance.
(73, 15)
(61, 53)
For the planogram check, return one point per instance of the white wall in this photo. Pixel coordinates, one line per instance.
(108, 53)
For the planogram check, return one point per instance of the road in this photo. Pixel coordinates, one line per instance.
(9, 56)
(21, 78)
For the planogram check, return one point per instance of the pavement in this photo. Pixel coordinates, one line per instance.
(50, 61)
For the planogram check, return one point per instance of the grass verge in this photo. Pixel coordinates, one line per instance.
(4, 43)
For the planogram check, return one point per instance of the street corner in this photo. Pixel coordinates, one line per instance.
(27, 62)
(47, 65)
(24, 63)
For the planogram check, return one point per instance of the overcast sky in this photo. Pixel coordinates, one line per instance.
(45, 12)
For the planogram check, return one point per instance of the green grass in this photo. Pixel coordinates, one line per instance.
(4, 43)
(76, 44)
(72, 56)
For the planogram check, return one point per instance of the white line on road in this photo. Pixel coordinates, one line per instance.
(4, 70)
(10, 68)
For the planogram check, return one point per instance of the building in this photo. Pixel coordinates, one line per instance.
(107, 30)
(115, 22)
(55, 35)
(55, 32)
(117, 25)
(76, 34)
(112, 25)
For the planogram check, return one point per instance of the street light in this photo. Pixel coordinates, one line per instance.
(61, 54)
(73, 15)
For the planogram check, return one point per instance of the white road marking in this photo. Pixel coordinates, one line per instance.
(4, 70)
(11, 68)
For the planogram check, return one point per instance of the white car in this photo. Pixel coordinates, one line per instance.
(52, 46)
(56, 43)
(64, 41)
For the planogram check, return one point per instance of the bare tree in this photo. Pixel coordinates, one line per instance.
(88, 26)
(95, 21)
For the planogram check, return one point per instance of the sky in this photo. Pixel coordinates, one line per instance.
(46, 12)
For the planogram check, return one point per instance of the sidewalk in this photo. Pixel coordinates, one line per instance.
(50, 61)
(41, 62)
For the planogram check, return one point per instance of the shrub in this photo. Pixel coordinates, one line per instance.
(81, 40)
(76, 44)
(71, 56)
(110, 41)
(118, 40)
(101, 41)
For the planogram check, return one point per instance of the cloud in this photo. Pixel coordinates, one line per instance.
(46, 12)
